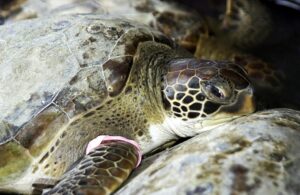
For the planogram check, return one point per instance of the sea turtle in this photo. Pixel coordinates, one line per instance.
(250, 24)
(65, 81)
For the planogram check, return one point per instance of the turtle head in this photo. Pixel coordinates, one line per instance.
(206, 92)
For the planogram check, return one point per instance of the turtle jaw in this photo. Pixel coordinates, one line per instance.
(244, 104)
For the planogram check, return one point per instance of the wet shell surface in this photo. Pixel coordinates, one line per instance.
(255, 154)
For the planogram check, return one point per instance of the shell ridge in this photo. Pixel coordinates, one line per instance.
(117, 41)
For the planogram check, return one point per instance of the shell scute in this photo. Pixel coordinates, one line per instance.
(38, 131)
(85, 90)
(91, 41)
(128, 43)
(32, 75)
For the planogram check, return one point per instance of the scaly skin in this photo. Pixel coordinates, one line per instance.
(100, 172)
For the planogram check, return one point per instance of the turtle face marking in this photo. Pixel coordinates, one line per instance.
(197, 89)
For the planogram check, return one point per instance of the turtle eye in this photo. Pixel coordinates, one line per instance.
(215, 91)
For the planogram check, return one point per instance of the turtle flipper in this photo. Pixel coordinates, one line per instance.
(101, 171)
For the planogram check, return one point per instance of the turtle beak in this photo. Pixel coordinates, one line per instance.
(248, 105)
(245, 104)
